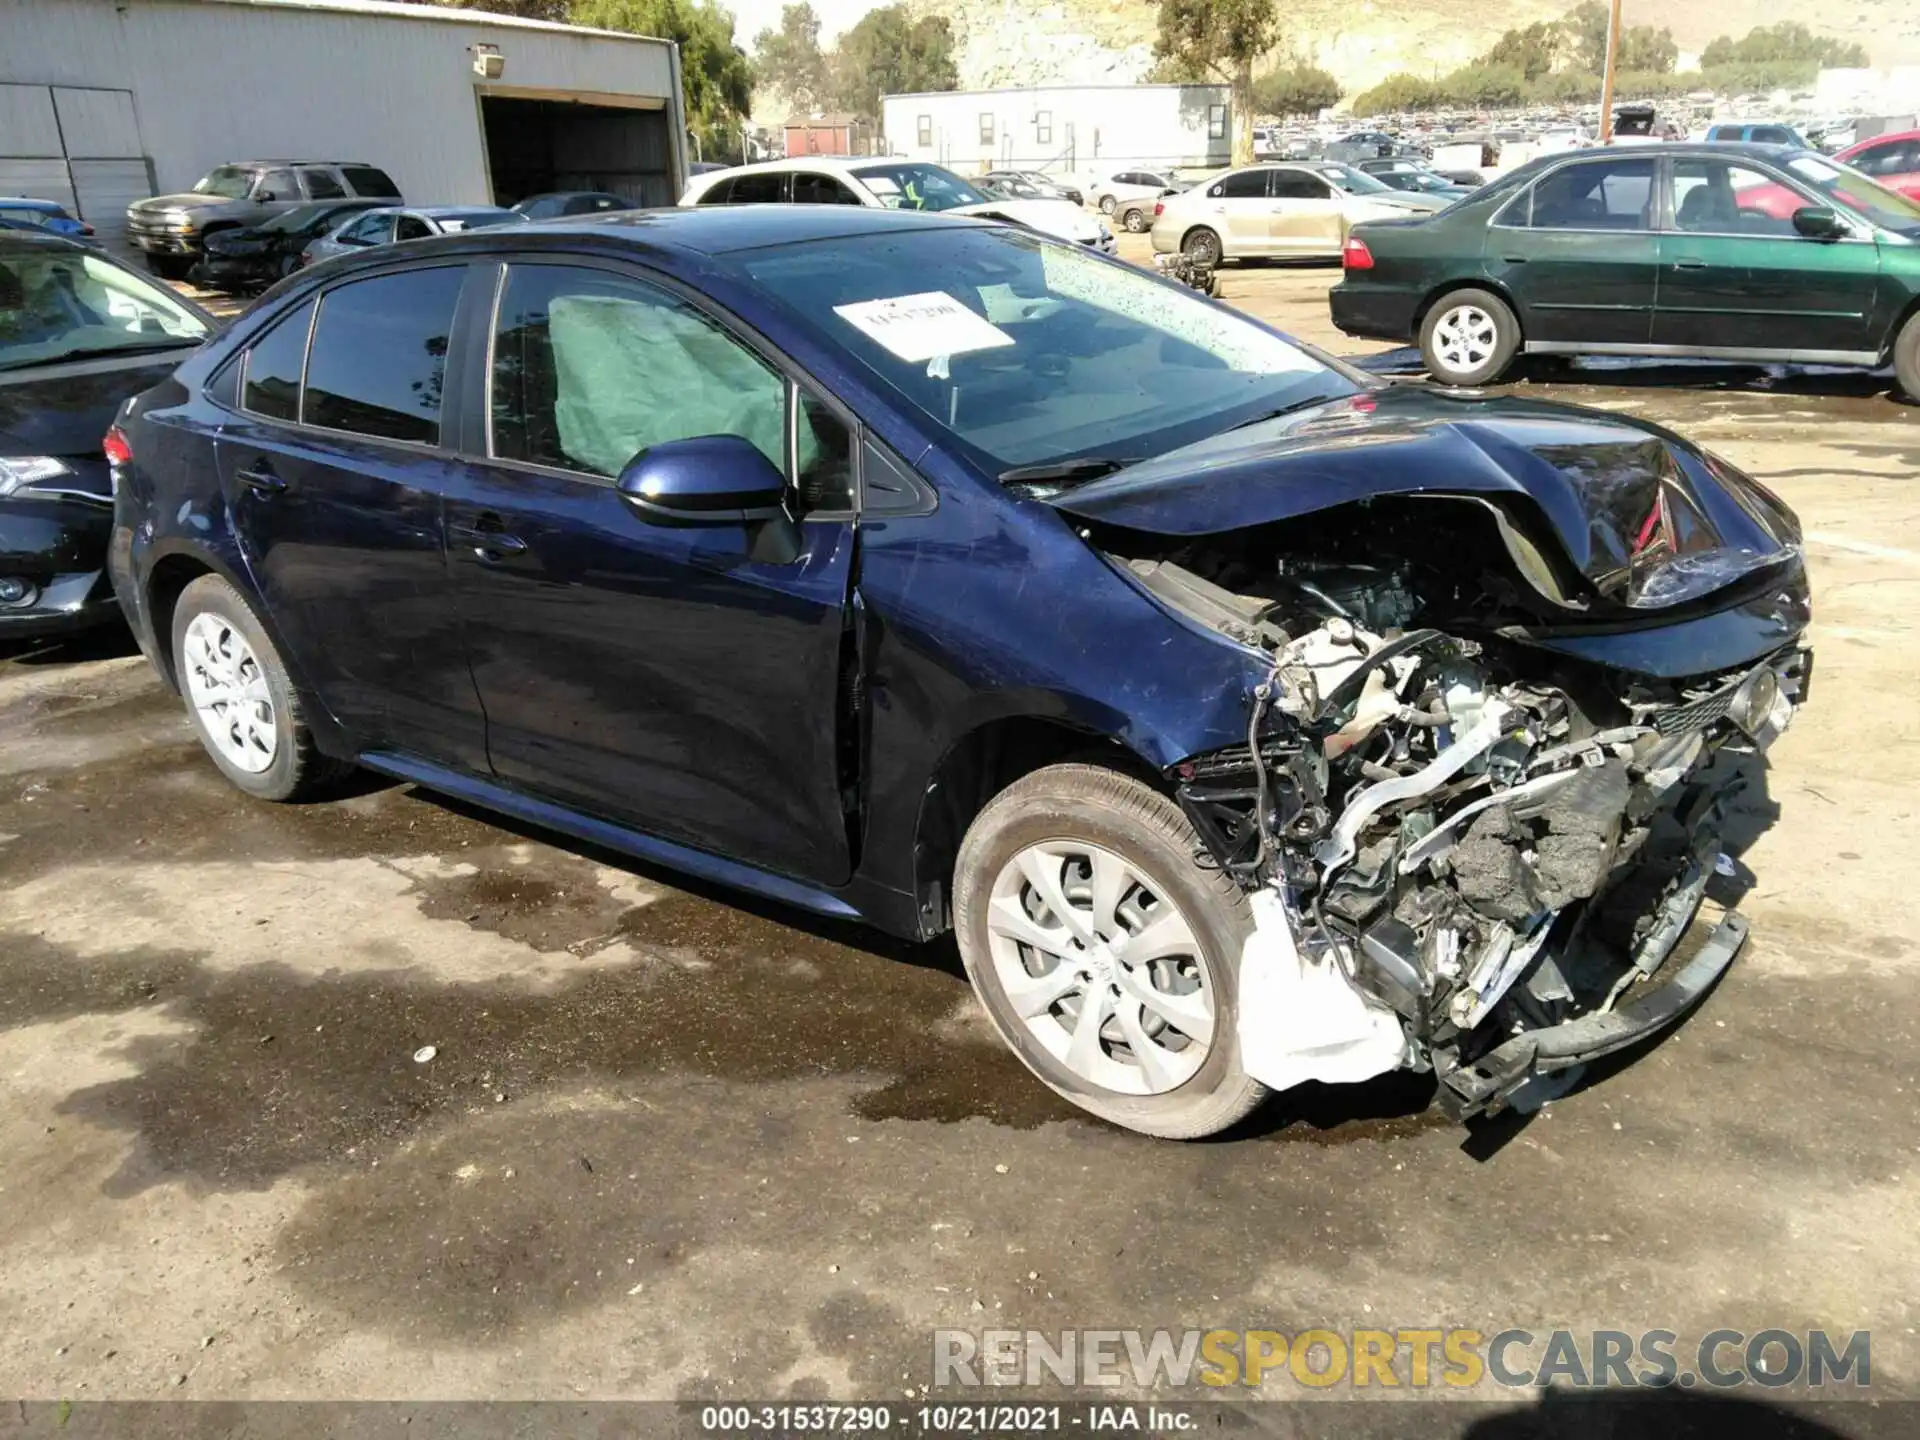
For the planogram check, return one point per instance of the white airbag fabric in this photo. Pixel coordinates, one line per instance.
(1301, 1020)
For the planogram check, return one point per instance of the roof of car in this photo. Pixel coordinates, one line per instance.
(37, 238)
(27, 202)
(1881, 139)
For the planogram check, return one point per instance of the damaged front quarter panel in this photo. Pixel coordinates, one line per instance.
(1474, 836)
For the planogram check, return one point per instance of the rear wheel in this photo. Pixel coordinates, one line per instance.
(1136, 221)
(1105, 957)
(1107, 202)
(1202, 246)
(240, 699)
(1906, 357)
(1468, 338)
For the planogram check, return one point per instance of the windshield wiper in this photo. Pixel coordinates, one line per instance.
(1087, 467)
(1277, 412)
(62, 357)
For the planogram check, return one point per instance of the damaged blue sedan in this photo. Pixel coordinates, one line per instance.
(1247, 721)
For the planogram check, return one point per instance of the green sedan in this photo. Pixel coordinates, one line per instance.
(1718, 252)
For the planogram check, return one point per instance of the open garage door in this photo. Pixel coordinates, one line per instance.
(76, 146)
(535, 145)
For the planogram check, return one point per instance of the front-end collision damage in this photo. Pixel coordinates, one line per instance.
(1468, 854)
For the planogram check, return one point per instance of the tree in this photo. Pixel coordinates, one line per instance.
(891, 53)
(1224, 38)
(525, 9)
(1298, 89)
(1785, 42)
(714, 74)
(1483, 86)
(790, 59)
(1533, 51)
(1395, 94)
(1641, 46)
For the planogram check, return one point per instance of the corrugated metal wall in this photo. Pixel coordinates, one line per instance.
(213, 81)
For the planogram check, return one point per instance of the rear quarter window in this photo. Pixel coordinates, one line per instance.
(274, 361)
(366, 180)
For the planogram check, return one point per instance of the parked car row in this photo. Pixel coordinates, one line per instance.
(1297, 211)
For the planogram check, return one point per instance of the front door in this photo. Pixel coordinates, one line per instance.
(1580, 253)
(679, 680)
(1305, 215)
(1736, 275)
(333, 471)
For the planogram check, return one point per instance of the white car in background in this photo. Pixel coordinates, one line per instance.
(889, 184)
(1299, 210)
(1113, 191)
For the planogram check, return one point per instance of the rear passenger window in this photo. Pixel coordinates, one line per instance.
(1595, 195)
(379, 355)
(821, 190)
(272, 388)
(321, 185)
(762, 189)
(366, 180)
(717, 193)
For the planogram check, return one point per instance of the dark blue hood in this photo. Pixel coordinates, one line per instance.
(1646, 517)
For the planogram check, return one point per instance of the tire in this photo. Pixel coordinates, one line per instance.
(169, 267)
(1906, 357)
(1107, 202)
(1469, 337)
(1203, 245)
(1064, 820)
(1135, 221)
(290, 766)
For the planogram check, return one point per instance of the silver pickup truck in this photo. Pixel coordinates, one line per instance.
(171, 230)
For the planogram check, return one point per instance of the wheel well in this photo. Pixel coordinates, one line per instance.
(982, 764)
(1186, 233)
(1441, 291)
(171, 575)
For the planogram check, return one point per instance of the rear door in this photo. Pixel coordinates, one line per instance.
(1304, 214)
(1237, 206)
(1736, 275)
(1894, 163)
(670, 679)
(1579, 252)
(333, 470)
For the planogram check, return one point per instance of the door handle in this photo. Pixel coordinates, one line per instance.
(1689, 264)
(260, 479)
(1514, 259)
(489, 539)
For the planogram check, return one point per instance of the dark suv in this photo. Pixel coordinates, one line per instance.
(171, 230)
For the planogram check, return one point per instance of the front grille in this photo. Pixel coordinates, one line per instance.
(1696, 715)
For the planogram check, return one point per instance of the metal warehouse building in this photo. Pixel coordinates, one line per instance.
(103, 102)
(1064, 129)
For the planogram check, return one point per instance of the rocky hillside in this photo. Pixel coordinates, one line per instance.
(1006, 42)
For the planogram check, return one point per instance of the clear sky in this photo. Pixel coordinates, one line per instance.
(750, 17)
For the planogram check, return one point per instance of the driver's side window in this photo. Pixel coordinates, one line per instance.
(591, 368)
(276, 185)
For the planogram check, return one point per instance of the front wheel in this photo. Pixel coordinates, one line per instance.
(1201, 246)
(1906, 357)
(169, 267)
(242, 703)
(1105, 957)
(1107, 203)
(1468, 338)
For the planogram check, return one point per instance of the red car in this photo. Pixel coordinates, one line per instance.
(1893, 160)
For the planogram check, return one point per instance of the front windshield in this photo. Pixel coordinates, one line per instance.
(1027, 351)
(1422, 180)
(62, 305)
(1356, 182)
(229, 182)
(907, 186)
(1849, 187)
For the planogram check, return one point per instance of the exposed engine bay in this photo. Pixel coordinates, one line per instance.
(1497, 846)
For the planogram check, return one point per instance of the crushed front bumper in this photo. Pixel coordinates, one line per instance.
(1485, 1085)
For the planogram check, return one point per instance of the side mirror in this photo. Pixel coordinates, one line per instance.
(263, 196)
(1817, 222)
(708, 480)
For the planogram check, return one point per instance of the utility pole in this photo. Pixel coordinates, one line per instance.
(1606, 84)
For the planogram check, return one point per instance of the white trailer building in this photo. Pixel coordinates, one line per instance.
(1078, 130)
(103, 102)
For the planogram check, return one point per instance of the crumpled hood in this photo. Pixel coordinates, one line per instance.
(1060, 218)
(1649, 519)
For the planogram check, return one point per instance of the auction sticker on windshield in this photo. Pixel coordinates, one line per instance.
(920, 327)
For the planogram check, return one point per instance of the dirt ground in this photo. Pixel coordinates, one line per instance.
(674, 1145)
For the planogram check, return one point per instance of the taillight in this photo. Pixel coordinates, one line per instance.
(1354, 255)
(116, 448)
(1159, 209)
(86, 229)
